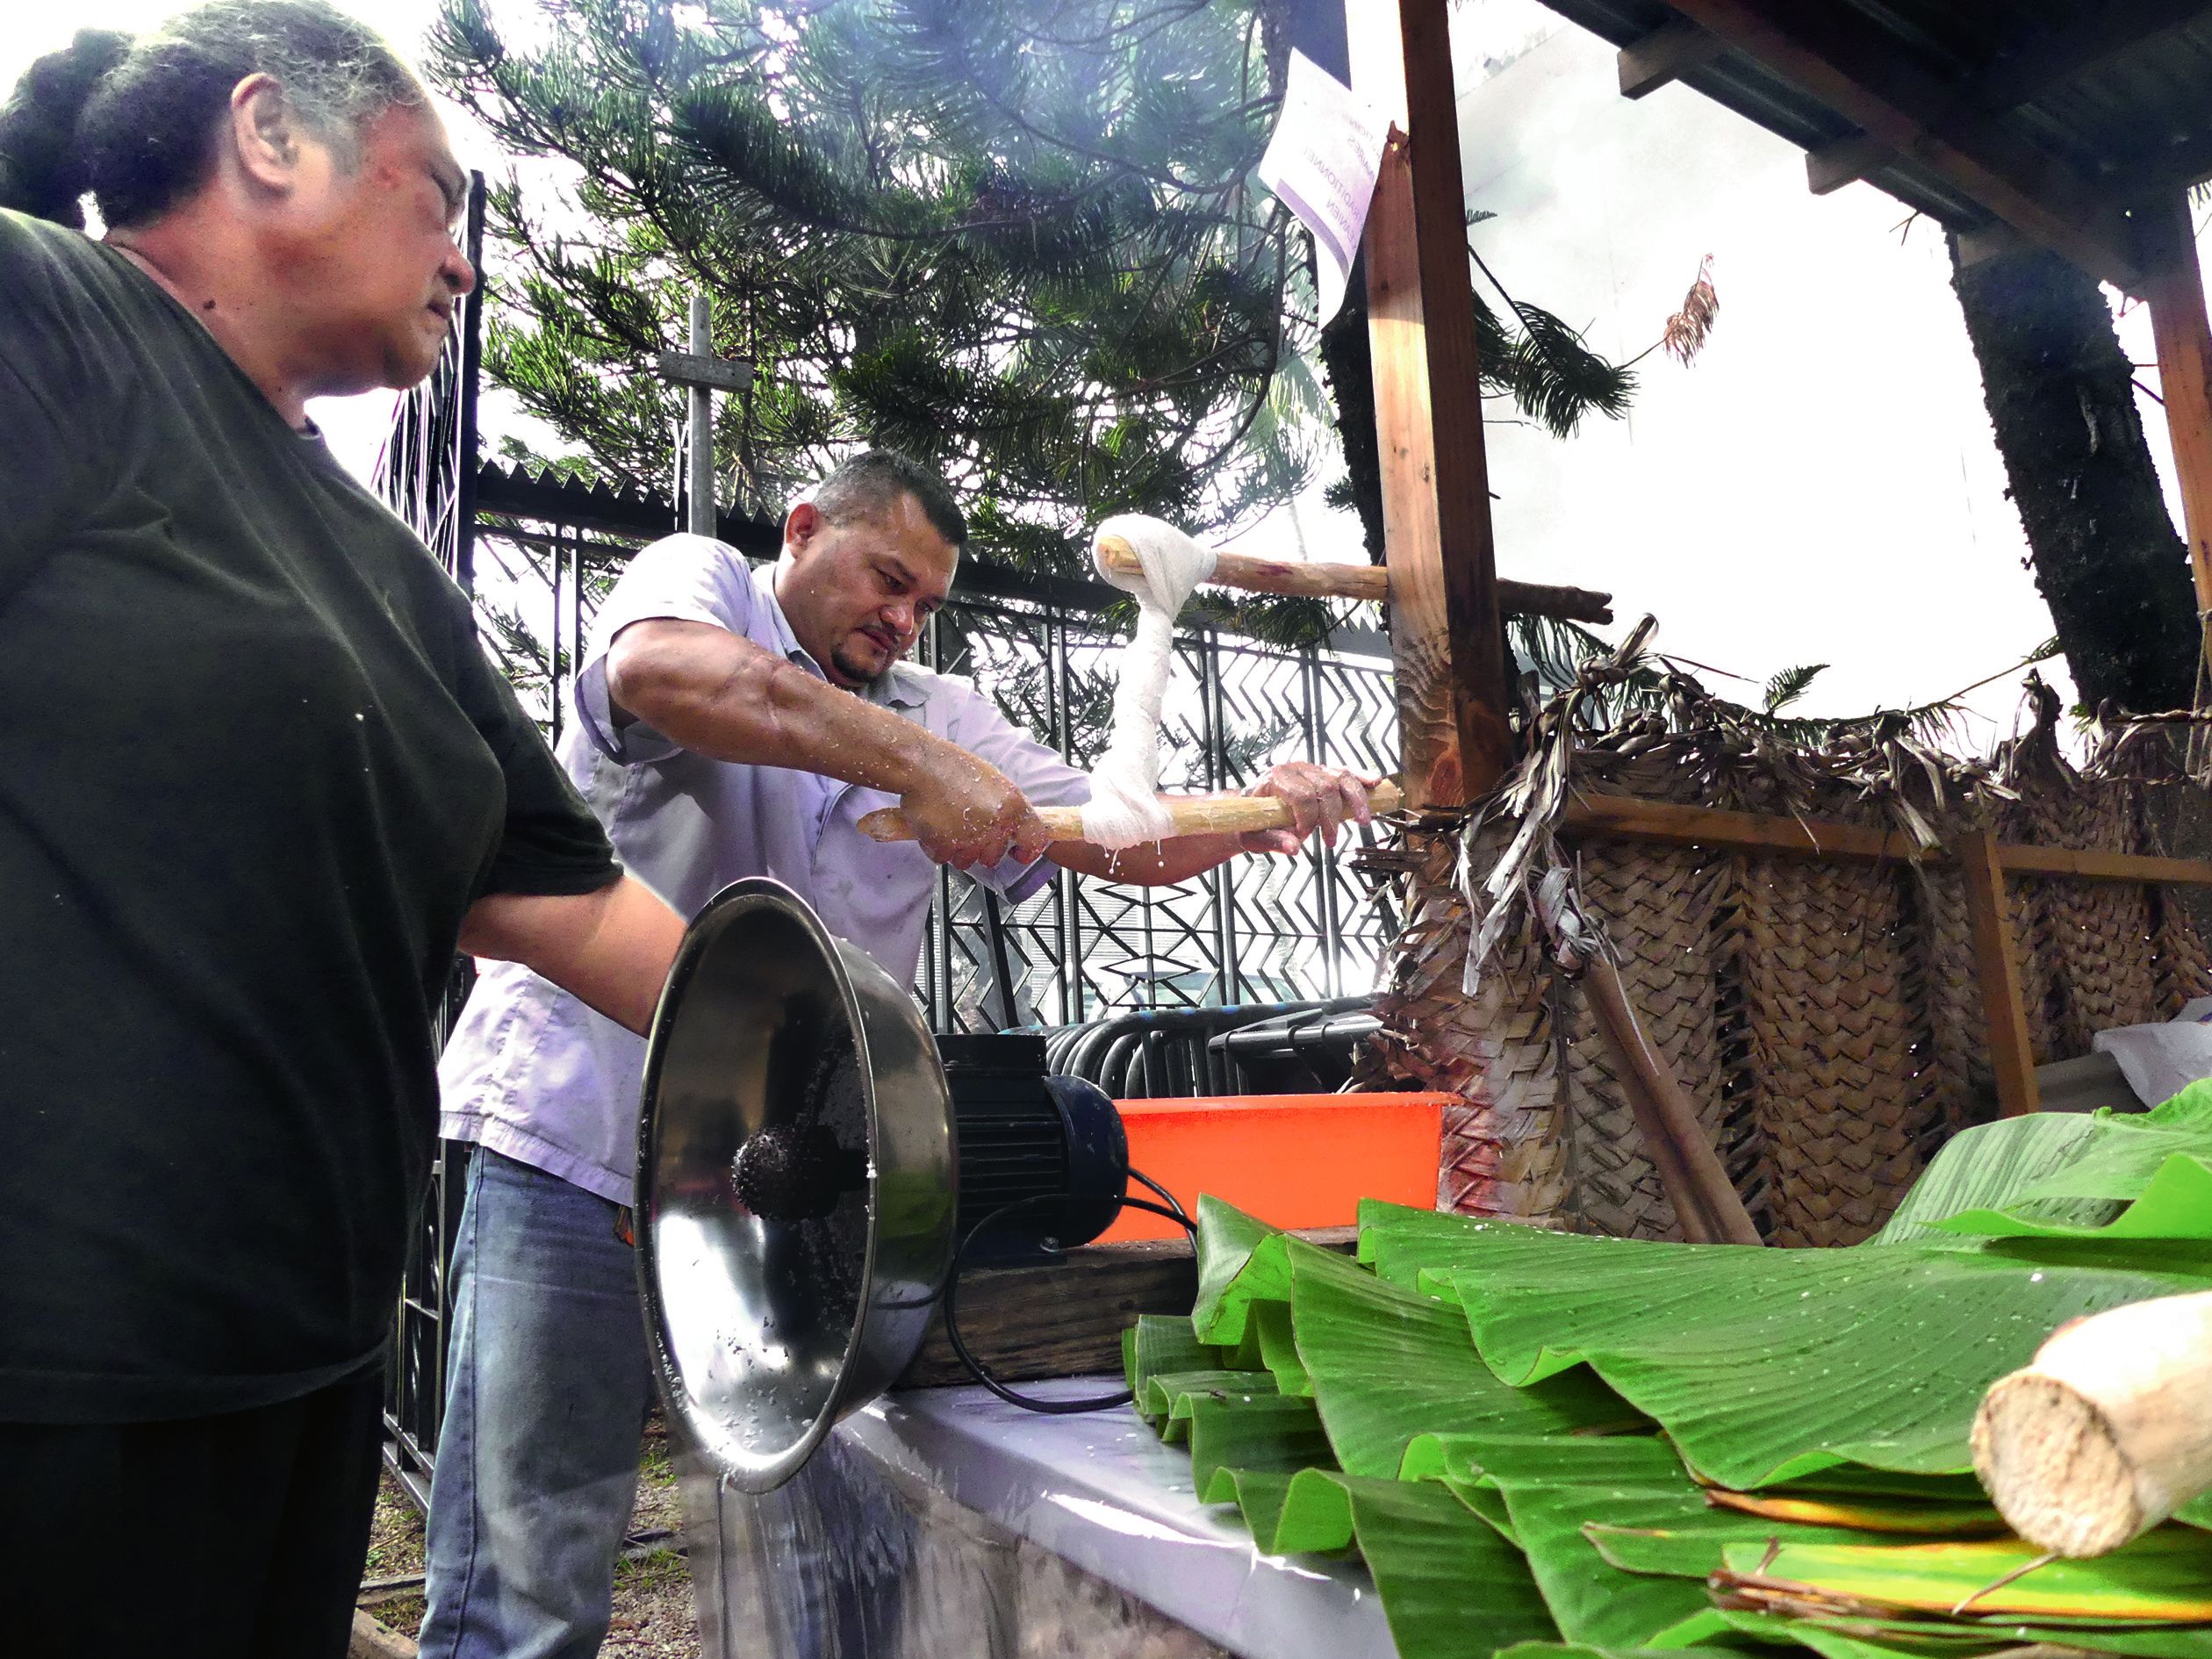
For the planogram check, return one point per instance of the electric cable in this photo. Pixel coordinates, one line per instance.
(1166, 1198)
(976, 1369)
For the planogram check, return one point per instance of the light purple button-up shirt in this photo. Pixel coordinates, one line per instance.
(530, 1071)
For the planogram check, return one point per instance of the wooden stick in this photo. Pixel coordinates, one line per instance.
(1194, 816)
(2004, 1016)
(2108, 1432)
(1705, 1199)
(1630, 819)
(1297, 579)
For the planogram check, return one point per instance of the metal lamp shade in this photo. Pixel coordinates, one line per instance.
(796, 1182)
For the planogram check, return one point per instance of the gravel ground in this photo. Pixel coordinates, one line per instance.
(652, 1594)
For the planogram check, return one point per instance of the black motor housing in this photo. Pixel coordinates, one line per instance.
(1053, 1145)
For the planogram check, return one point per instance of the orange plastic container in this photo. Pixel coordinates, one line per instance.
(1293, 1161)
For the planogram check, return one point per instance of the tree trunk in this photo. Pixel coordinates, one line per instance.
(1350, 371)
(2107, 558)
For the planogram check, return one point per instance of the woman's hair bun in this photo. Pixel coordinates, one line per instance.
(42, 163)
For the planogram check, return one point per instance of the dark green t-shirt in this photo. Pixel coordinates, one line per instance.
(254, 768)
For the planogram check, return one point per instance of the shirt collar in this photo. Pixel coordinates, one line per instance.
(898, 686)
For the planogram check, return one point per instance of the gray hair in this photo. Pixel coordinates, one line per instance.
(134, 122)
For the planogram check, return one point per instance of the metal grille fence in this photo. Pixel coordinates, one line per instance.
(1256, 929)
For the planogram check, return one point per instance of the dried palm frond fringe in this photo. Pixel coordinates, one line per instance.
(1825, 1017)
(1686, 330)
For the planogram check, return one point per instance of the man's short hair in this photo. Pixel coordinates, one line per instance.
(871, 483)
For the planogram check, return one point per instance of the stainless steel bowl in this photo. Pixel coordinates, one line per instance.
(771, 1321)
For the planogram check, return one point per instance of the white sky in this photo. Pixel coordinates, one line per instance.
(1820, 486)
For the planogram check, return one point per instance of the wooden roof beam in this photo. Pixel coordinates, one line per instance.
(1840, 57)
(1668, 53)
(2023, 71)
(2019, 75)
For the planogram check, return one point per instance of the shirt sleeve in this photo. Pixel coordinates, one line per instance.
(57, 404)
(551, 843)
(1036, 770)
(690, 579)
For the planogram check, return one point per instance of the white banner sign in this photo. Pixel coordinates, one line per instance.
(1321, 164)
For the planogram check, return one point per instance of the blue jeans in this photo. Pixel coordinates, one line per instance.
(549, 1380)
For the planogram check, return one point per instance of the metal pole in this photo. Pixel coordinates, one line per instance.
(464, 477)
(699, 513)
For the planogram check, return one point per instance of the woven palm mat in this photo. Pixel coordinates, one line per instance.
(1504, 1153)
(1668, 901)
(1824, 1016)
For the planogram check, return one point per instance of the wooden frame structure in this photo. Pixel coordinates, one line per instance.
(1982, 861)
(2081, 134)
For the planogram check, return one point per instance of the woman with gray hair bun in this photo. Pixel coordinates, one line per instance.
(256, 784)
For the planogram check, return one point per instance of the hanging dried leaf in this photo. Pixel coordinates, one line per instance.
(1686, 330)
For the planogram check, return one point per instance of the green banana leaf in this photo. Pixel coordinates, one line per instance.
(1911, 1517)
(1552, 1487)
(1556, 1487)
(1853, 1480)
(1306, 1514)
(1509, 1380)
(1452, 1586)
(2165, 1577)
(1161, 1342)
(1160, 1398)
(1768, 1364)
(1255, 1432)
(1268, 1325)
(2177, 1204)
(1228, 1241)
(2061, 1167)
(1259, 1495)
(2144, 1640)
(1387, 1365)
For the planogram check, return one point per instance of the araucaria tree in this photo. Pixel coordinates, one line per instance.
(1023, 241)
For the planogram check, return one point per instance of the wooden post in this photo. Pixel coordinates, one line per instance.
(2175, 290)
(2010, 1050)
(1445, 633)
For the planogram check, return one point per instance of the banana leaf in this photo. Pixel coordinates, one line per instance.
(2165, 1577)
(1259, 1495)
(1228, 1241)
(1552, 1486)
(2177, 1204)
(2059, 1167)
(1961, 1637)
(1853, 1480)
(1451, 1585)
(1557, 1486)
(1767, 1365)
(1160, 1398)
(1907, 1516)
(1161, 1342)
(1305, 1513)
(1387, 1365)
(1263, 1432)
(1268, 1325)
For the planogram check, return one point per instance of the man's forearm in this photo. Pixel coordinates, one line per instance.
(724, 697)
(611, 950)
(1150, 864)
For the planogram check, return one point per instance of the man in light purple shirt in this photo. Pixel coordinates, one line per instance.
(731, 723)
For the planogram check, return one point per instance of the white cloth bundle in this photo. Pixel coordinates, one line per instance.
(1125, 808)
